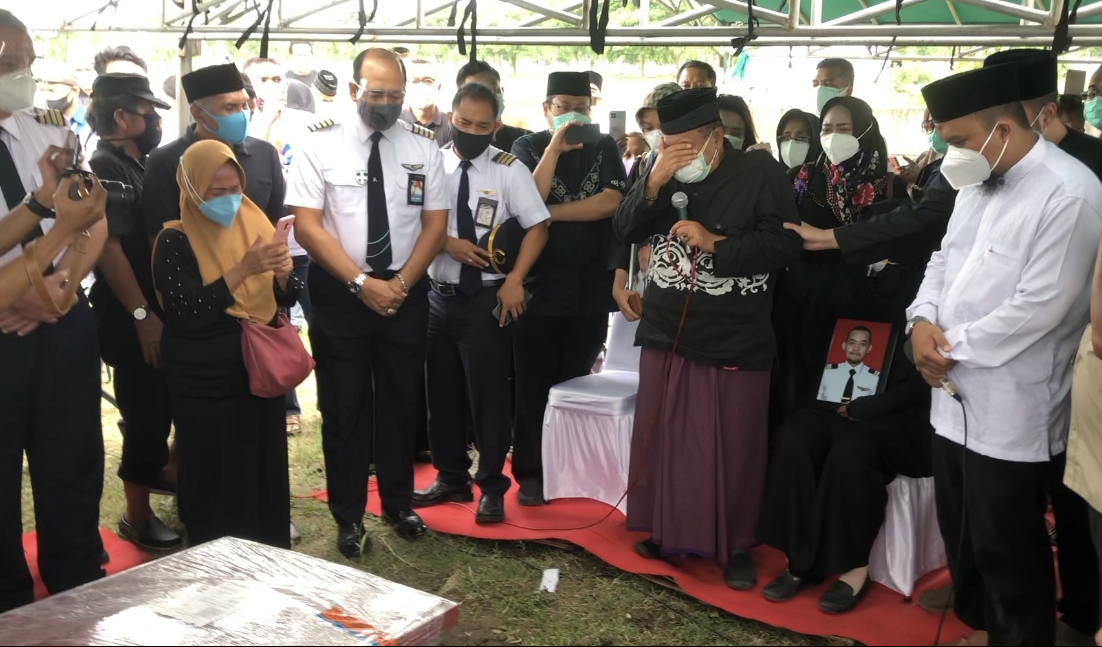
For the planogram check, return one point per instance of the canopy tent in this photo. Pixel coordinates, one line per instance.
(576, 22)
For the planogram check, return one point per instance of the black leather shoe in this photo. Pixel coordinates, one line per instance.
(530, 493)
(439, 492)
(349, 536)
(153, 534)
(406, 524)
(840, 597)
(647, 549)
(491, 509)
(423, 457)
(740, 573)
(784, 587)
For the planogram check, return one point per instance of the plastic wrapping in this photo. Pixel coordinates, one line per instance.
(909, 545)
(234, 592)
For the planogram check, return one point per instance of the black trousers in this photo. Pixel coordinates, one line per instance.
(1078, 564)
(547, 351)
(142, 394)
(50, 399)
(826, 489)
(1094, 521)
(301, 268)
(1002, 570)
(466, 345)
(370, 384)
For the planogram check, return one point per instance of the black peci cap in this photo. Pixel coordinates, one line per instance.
(970, 92)
(596, 79)
(1036, 70)
(326, 83)
(688, 109)
(210, 81)
(125, 85)
(571, 84)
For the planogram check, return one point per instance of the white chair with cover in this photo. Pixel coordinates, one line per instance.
(587, 425)
(909, 545)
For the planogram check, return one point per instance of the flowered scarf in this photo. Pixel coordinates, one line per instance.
(850, 187)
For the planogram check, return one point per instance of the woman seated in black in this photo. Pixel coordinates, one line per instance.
(213, 268)
(835, 189)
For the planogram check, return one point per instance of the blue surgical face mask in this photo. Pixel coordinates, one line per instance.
(500, 105)
(231, 128)
(936, 143)
(1092, 112)
(560, 120)
(221, 210)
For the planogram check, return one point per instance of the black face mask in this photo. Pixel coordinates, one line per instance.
(470, 145)
(61, 105)
(151, 136)
(379, 116)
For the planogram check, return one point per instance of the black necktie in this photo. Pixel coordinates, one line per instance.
(470, 279)
(378, 224)
(847, 394)
(12, 187)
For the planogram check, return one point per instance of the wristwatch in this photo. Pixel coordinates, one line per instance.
(37, 208)
(140, 313)
(357, 283)
(911, 325)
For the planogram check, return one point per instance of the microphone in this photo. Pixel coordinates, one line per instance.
(680, 201)
(950, 388)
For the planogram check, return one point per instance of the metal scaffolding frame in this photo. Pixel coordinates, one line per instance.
(693, 23)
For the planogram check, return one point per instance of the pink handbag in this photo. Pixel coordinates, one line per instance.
(275, 358)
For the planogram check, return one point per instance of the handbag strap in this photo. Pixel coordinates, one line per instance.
(38, 282)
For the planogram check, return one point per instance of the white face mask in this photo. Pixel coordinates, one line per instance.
(735, 141)
(794, 153)
(839, 147)
(420, 96)
(698, 169)
(964, 167)
(652, 137)
(1037, 120)
(17, 91)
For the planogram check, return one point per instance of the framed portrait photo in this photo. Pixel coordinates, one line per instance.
(857, 361)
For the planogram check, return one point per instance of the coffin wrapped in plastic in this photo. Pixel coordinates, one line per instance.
(234, 592)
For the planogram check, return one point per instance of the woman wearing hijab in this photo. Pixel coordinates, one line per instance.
(798, 138)
(835, 189)
(212, 269)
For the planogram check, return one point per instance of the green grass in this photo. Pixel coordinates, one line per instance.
(495, 582)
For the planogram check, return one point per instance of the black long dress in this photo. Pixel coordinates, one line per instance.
(233, 445)
(820, 288)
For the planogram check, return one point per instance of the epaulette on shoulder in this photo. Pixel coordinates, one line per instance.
(505, 158)
(50, 117)
(873, 371)
(833, 366)
(321, 125)
(418, 129)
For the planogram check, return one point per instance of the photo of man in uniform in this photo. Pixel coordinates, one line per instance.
(851, 379)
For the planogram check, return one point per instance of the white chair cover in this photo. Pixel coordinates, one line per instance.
(909, 545)
(587, 425)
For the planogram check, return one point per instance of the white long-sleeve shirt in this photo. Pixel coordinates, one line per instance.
(1011, 289)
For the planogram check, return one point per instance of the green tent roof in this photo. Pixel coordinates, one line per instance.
(932, 12)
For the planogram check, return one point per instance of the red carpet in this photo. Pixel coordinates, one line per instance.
(123, 554)
(882, 618)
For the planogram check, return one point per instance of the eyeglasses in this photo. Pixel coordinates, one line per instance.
(375, 95)
(927, 126)
(580, 109)
(799, 138)
(424, 81)
(1090, 94)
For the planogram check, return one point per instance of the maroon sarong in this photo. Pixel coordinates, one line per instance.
(701, 476)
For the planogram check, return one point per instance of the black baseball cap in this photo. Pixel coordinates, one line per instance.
(131, 85)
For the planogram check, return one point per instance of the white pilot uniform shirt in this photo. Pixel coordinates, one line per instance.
(1011, 289)
(329, 172)
(27, 138)
(835, 377)
(494, 176)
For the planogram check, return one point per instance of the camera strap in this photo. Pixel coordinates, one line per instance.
(69, 288)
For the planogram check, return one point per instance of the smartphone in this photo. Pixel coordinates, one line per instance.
(1075, 82)
(283, 229)
(584, 134)
(508, 315)
(617, 124)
